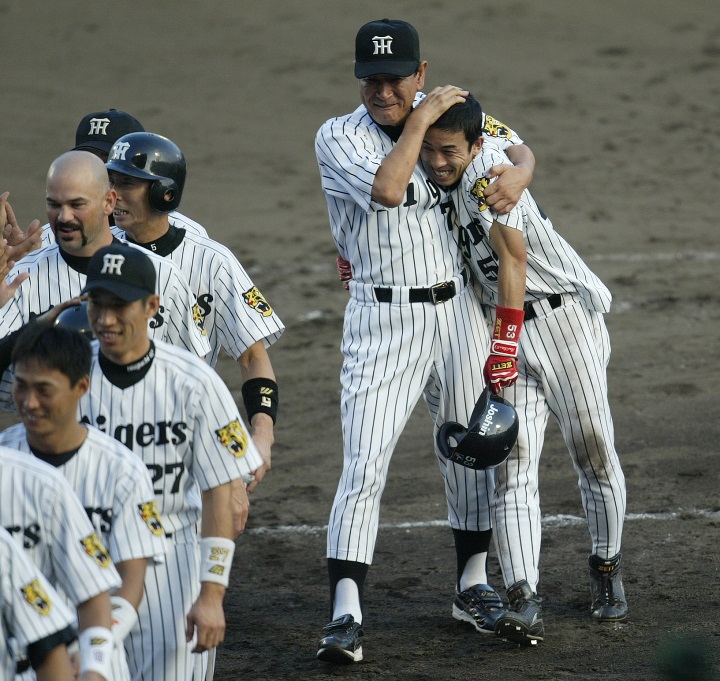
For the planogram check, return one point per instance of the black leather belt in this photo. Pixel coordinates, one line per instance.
(22, 666)
(555, 301)
(440, 293)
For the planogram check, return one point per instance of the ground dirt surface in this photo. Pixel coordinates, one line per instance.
(620, 101)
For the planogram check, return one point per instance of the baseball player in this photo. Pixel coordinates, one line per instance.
(235, 315)
(174, 412)
(32, 613)
(412, 325)
(549, 351)
(96, 133)
(44, 516)
(79, 199)
(51, 372)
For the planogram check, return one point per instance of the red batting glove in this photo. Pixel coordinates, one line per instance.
(501, 366)
(344, 271)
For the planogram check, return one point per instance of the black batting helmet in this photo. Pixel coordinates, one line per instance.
(151, 157)
(76, 319)
(489, 437)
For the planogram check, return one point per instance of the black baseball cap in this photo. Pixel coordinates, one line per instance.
(100, 130)
(387, 46)
(123, 270)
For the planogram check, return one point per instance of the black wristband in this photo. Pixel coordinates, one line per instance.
(260, 396)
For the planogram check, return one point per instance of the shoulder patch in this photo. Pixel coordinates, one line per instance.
(35, 595)
(199, 319)
(96, 550)
(478, 191)
(151, 516)
(494, 128)
(257, 301)
(234, 438)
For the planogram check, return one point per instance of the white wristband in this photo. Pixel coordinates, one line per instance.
(216, 556)
(124, 617)
(96, 648)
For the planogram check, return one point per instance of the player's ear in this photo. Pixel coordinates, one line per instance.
(420, 74)
(477, 146)
(82, 386)
(152, 305)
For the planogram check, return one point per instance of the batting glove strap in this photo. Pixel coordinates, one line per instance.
(124, 617)
(344, 271)
(216, 556)
(96, 649)
(260, 395)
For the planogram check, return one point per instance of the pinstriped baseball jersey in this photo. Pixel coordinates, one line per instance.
(176, 218)
(553, 266)
(114, 487)
(53, 280)
(233, 311)
(30, 608)
(563, 354)
(43, 514)
(183, 422)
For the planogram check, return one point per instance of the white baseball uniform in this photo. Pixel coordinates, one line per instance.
(31, 611)
(178, 219)
(395, 350)
(115, 489)
(175, 413)
(44, 516)
(233, 312)
(563, 355)
(56, 277)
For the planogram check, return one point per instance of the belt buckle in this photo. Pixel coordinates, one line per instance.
(441, 293)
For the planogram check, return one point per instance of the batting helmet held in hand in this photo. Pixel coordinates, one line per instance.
(489, 437)
(76, 319)
(155, 158)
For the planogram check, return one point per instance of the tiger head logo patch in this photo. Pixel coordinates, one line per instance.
(36, 596)
(234, 437)
(494, 128)
(151, 516)
(198, 319)
(478, 191)
(257, 302)
(96, 550)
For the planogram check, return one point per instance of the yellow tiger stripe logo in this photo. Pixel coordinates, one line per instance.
(478, 191)
(234, 437)
(198, 319)
(151, 516)
(35, 595)
(257, 301)
(96, 550)
(495, 128)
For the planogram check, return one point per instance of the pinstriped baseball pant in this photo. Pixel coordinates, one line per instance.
(394, 353)
(562, 362)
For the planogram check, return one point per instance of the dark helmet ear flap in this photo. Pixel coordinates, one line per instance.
(164, 195)
(449, 430)
(76, 319)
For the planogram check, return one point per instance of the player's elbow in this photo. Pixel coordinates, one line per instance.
(390, 198)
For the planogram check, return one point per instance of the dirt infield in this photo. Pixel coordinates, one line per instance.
(619, 101)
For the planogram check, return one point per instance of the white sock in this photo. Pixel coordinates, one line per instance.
(347, 600)
(475, 571)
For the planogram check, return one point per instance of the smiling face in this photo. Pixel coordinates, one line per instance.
(445, 155)
(388, 98)
(119, 326)
(132, 209)
(46, 400)
(78, 200)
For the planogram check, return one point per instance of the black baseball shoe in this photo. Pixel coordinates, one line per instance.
(606, 589)
(341, 641)
(480, 605)
(522, 623)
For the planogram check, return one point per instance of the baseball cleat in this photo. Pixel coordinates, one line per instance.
(606, 589)
(480, 605)
(522, 623)
(341, 641)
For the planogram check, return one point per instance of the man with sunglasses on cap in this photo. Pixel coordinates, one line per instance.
(413, 326)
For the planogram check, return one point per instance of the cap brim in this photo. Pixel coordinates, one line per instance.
(391, 68)
(123, 291)
(104, 147)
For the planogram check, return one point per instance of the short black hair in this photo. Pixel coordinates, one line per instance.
(466, 117)
(56, 347)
